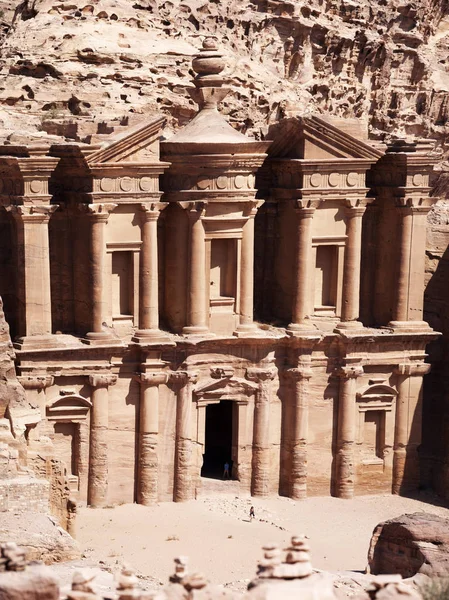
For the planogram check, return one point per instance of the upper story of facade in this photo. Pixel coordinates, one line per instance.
(212, 233)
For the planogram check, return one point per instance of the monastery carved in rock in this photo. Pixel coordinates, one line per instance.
(180, 303)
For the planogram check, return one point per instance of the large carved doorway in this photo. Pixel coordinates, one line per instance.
(218, 438)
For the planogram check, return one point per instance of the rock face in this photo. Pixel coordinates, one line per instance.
(410, 544)
(382, 61)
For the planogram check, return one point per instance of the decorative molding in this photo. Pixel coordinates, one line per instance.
(36, 382)
(102, 380)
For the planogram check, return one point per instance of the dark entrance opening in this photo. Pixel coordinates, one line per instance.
(218, 447)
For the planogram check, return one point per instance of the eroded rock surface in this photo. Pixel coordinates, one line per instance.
(410, 544)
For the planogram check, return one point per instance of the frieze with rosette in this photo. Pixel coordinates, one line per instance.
(127, 185)
(210, 183)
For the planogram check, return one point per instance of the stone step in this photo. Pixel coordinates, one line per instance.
(218, 487)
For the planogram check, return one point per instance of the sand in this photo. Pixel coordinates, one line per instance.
(220, 541)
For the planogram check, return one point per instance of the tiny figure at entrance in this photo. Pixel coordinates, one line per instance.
(226, 470)
(252, 514)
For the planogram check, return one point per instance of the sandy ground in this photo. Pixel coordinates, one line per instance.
(220, 541)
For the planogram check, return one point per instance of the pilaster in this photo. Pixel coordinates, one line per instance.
(149, 331)
(408, 425)
(260, 477)
(147, 484)
(346, 432)
(98, 447)
(300, 426)
(99, 215)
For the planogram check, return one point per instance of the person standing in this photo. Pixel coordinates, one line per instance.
(226, 470)
(252, 514)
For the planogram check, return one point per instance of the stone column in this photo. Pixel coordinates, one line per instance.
(401, 309)
(34, 270)
(260, 477)
(99, 214)
(147, 485)
(183, 486)
(197, 300)
(352, 263)
(299, 427)
(345, 468)
(98, 447)
(303, 271)
(407, 431)
(246, 324)
(149, 280)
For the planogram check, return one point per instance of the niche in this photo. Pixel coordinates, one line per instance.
(223, 268)
(373, 436)
(122, 284)
(326, 277)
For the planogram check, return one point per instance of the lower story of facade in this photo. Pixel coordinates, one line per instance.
(317, 414)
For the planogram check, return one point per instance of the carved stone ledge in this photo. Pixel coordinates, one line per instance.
(182, 377)
(36, 382)
(102, 380)
(299, 373)
(413, 369)
(350, 372)
(260, 374)
(152, 378)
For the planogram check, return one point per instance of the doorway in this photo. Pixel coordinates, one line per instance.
(218, 439)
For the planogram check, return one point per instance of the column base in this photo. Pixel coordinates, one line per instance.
(349, 325)
(248, 330)
(410, 325)
(103, 338)
(149, 336)
(197, 330)
(37, 342)
(300, 329)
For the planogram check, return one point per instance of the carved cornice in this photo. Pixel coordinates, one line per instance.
(182, 378)
(152, 378)
(32, 214)
(102, 380)
(221, 372)
(36, 382)
(413, 369)
(152, 210)
(99, 212)
(350, 372)
(298, 373)
(261, 374)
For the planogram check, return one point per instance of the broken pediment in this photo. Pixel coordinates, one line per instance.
(225, 387)
(136, 145)
(314, 138)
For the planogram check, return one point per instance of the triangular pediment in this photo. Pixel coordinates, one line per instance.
(138, 145)
(314, 138)
(225, 386)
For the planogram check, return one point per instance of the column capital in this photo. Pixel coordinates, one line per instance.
(414, 204)
(413, 369)
(152, 378)
(36, 382)
(358, 205)
(152, 210)
(250, 208)
(260, 374)
(183, 377)
(304, 213)
(353, 212)
(195, 210)
(221, 372)
(307, 204)
(350, 371)
(100, 212)
(298, 373)
(102, 380)
(39, 213)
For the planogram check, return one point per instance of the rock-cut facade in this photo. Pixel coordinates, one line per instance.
(178, 304)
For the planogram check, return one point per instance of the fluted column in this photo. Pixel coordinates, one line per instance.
(246, 308)
(33, 268)
(345, 467)
(183, 485)
(149, 278)
(407, 431)
(303, 270)
(99, 215)
(260, 477)
(197, 299)
(300, 428)
(147, 484)
(351, 270)
(98, 447)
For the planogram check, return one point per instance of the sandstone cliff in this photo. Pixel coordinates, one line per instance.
(65, 65)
